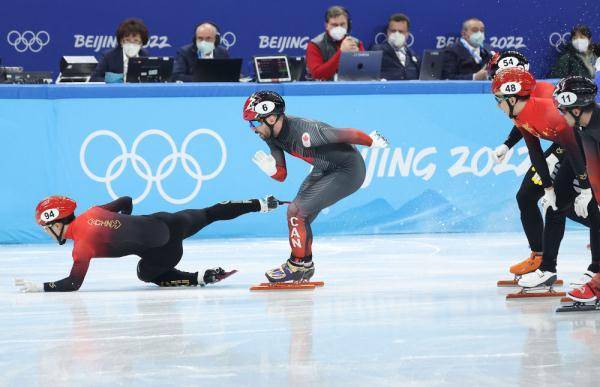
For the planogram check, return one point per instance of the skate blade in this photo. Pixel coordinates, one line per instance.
(514, 283)
(577, 306)
(315, 283)
(278, 286)
(536, 292)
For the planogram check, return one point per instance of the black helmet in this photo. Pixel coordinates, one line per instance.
(575, 91)
(263, 104)
(506, 59)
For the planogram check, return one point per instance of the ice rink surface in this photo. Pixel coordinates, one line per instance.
(401, 310)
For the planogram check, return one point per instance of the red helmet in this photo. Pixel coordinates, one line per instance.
(513, 81)
(263, 104)
(53, 209)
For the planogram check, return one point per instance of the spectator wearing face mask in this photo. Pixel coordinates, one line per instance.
(398, 62)
(323, 52)
(467, 58)
(205, 45)
(578, 57)
(132, 34)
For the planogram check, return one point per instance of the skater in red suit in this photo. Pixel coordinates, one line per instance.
(538, 118)
(531, 191)
(111, 231)
(338, 170)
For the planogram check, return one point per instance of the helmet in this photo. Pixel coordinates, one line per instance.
(263, 104)
(575, 91)
(513, 81)
(54, 209)
(507, 59)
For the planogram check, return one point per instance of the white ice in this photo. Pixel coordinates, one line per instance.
(401, 310)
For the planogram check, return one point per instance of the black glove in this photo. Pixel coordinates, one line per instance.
(214, 275)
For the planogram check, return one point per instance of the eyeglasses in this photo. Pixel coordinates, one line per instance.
(255, 123)
(500, 99)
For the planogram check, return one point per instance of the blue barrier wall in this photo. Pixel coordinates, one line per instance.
(35, 33)
(179, 146)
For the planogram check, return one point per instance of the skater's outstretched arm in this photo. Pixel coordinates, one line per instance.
(568, 140)
(328, 135)
(124, 205)
(513, 137)
(73, 281)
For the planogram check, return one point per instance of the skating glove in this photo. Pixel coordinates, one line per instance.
(378, 140)
(265, 162)
(268, 203)
(581, 202)
(28, 286)
(212, 275)
(551, 160)
(549, 200)
(499, 153)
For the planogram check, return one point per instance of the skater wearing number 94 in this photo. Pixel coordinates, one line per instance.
(538, 118)
(338, 171)
(110, 230)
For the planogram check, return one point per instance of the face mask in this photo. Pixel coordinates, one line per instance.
(337, 33)
(581, 44)
(397, 39)
(477, 38)
(204, 47)
(131, 49)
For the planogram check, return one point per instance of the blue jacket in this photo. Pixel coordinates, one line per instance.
(391, 67)
(185, 60)
(111, 62)
(459, 64)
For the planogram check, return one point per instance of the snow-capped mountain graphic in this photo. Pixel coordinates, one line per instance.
(428, 212)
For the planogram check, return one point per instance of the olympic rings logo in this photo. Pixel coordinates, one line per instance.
(28, 40)
(382, 37)
(228, 39)
(557, 39)
(142, 167)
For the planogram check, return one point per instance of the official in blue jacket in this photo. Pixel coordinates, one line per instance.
(398, 61)
(132, 34)
(205, 46)
(467, 58)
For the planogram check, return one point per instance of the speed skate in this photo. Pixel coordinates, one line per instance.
(278, 286)
(537, 284)
(578, 306)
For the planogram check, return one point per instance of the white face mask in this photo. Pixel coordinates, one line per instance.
(581, 44)
(397, 39)
(477, 38)
(204, 47)
(337, 33)
(131, 49)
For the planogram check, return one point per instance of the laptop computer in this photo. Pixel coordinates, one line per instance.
(149, 69)
(217, 70)
(360, 66)
(274, 68)
(431, 65)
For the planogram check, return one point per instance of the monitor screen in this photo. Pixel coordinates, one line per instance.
(272, 69)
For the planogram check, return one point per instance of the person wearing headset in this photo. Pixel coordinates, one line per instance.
(323, 52)
(205, 45)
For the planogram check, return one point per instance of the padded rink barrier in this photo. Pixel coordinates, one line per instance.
(174, 146)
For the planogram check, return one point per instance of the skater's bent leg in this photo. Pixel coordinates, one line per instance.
(300, 236)
(192, 221)
(531, 218)
(594, 223)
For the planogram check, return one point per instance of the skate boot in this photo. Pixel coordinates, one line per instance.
(289, 271)
(527, 266)
(584, 279)
(309, 271)
(537, 279)
(586, 293)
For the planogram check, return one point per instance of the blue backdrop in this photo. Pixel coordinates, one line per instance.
(185, 146)
(71, 27)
